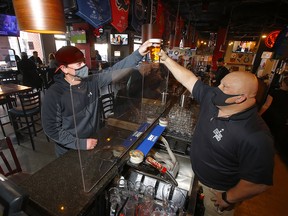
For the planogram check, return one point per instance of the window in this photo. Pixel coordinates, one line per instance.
(137, 42)
(103, 50)
(60, 41)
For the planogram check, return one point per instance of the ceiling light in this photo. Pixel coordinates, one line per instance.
(45, 16)
(264, 36)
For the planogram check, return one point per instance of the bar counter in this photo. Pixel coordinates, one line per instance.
(57, 189)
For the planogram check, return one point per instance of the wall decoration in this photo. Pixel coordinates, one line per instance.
(31, 45)
(97, 13)
(280, 47)
(120, 10)
(138, 14)
(271, 38)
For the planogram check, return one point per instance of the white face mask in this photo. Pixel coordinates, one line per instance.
(82, 72)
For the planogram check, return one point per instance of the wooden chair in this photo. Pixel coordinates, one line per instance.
(106, 103)
(10, 77)
(9, 164)
(26, 116)
(4, 114)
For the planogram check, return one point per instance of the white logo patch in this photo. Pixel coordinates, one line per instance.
(218, 136)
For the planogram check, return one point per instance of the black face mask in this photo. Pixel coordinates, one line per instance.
(220, 98)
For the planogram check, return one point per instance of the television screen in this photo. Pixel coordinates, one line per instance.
(244, 46)
(8, 25)
(78, 36)
(119, 39)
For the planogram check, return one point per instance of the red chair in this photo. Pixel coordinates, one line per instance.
(9, 164)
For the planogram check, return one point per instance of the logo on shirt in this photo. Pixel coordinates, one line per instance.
(217, 134)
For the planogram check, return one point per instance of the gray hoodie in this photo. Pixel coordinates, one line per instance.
(57, 110)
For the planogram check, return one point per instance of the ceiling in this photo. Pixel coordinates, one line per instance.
(244, 19)
(6, 7)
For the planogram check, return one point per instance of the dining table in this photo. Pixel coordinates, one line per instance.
(8, 89)
(12, 88)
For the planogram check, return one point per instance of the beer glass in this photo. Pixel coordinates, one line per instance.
(155, 49)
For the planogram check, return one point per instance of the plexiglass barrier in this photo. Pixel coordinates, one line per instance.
(114, 107)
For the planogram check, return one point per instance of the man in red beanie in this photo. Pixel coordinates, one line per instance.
(58, 113)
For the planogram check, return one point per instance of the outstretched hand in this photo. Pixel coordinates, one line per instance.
(163, 56)
(144, 48)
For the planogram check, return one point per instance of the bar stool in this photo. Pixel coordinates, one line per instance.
(25, 117)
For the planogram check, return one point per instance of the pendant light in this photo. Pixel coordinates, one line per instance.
(40, 16)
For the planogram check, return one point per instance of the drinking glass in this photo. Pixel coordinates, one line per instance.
(125, 187)
(114, 198)
(139, 187)
(173, 198)
(155, 49)
(129, 208)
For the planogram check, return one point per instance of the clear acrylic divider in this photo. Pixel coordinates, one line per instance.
(137, 101)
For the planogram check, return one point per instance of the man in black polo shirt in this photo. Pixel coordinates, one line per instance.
(232, 148)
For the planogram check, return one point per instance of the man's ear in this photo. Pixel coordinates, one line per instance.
(63, 68)
(240, 99)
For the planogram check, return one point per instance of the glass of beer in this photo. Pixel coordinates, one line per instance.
(155, 49)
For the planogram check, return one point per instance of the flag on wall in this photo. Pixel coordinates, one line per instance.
(138, 14)
(120, 11)
(95, 12)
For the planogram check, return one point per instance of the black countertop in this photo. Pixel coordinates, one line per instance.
(58, 188)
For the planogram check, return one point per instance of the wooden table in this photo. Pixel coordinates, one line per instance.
(10, 88)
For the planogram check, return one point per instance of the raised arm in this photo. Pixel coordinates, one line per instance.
(183, 75)
(123, 67)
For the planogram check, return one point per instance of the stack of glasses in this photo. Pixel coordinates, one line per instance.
(128, 198)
